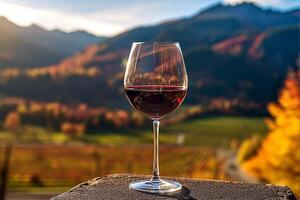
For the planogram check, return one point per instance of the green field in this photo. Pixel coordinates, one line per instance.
(209, 131)
(216, 131)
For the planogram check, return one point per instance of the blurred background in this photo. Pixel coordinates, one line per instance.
(64, 117)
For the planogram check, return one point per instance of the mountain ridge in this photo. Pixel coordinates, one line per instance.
(123, 41)
(4, 19)
(51, 46)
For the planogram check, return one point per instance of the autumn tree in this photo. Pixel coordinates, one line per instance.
(137, 119)
(73, 129)
(278, 159)
(12, 121)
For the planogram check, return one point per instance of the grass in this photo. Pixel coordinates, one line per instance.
(114, 139)
(215, 131)
(229, 126)
(209, 131)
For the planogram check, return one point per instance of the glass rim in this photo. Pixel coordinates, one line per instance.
(159, 43)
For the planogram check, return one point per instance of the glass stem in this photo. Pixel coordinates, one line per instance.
(155, 171)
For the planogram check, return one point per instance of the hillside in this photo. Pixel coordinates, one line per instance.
(35, 46)
(202, 30)
(234, 63)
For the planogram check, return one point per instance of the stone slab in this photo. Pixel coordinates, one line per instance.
(115, 187)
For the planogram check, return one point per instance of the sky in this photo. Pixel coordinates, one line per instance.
(110, 17)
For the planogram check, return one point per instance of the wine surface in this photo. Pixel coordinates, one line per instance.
(156, 101)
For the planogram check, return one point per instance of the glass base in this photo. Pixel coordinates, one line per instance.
(162, 186)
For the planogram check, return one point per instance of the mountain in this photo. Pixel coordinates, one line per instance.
(295, 12)
(251, 15)
(35, 46)
(232, 60)
(202, 30)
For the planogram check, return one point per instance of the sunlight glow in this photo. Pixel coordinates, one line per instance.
(19, 14)
(25, 16)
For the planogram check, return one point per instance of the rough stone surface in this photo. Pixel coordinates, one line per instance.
(115, 187)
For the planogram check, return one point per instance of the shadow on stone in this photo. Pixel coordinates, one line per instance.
(183, 194)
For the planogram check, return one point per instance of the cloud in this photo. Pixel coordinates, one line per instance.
(109, 21)
(52, 19)
(98, 17)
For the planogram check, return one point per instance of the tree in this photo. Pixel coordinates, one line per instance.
(73, 129)
(12, 121)
(278, 159)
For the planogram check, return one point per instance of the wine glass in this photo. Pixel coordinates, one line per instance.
(155, 83)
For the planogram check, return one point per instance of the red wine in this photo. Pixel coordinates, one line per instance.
(155, 100)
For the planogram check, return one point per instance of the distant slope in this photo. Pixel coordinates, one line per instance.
(276, 47)
(281, 47)
(231, 60)
(34, 46)
(244, 67)
(17, 52)
(204, 29)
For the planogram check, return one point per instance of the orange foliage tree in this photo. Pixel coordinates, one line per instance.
(12, 121)
(278, 159)
(73, 129)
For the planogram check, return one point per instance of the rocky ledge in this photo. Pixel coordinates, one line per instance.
(115, 187)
